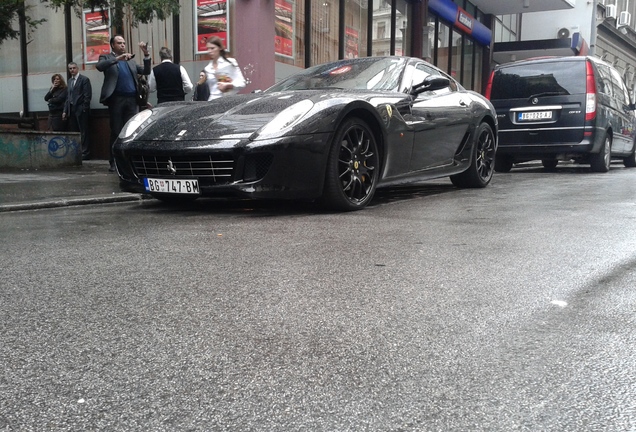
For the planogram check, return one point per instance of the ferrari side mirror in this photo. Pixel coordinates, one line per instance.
(430, 83)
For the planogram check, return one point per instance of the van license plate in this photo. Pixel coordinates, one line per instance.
(172, 186)
(535, 115)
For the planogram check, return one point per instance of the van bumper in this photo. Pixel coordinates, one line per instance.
(572, 150)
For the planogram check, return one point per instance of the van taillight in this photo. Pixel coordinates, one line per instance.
(590, 90)
(489, 85)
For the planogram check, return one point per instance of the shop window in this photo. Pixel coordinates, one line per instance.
(428, 36)
(290, 32)
(355, 29)
(396, 39)
(456, 58)
(403, 29)
(478, 63)
(443, 46)
(467, 68)
(324, 31)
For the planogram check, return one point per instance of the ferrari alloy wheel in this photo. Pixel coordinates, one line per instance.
(352, 168)
(482, 165)
(600, 162)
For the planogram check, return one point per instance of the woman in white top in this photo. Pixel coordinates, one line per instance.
(223, 75)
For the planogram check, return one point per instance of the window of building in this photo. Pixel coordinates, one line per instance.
(380, 31)
(454, 52)
(468, 62)
(324, 31)
(290, 32)
(456, 57)
(442, 60)
(355, 43)
(505, 28)
(394, 15)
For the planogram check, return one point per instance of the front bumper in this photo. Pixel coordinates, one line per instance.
(285, 168)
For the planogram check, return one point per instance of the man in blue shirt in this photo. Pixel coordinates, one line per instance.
(119, 91)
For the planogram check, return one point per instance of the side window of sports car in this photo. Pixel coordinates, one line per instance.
(422, 71)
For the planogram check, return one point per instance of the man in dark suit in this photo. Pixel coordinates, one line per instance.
(119, 91)
(78, 105)
(171, 81)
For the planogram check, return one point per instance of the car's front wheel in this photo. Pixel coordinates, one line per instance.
(352, 167)
(482, 165)
(600, 162)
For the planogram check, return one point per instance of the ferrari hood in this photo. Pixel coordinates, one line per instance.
(224, 118)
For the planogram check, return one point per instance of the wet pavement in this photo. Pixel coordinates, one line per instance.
(90, 183)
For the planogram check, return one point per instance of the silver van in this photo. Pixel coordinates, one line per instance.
(562, 109)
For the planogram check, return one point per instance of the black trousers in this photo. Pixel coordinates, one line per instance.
(121, 109)
(78, 122)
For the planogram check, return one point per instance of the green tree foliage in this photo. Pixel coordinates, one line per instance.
(9, 13)
(138, 11)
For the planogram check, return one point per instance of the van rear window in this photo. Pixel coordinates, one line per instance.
(540, 79)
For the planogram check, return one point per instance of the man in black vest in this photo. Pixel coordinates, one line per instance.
(171, 81)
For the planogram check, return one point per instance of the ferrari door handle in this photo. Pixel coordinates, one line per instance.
(462, 103)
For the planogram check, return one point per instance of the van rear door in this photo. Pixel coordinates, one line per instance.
(540, 103)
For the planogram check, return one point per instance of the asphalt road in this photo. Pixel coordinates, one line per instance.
(435, 309)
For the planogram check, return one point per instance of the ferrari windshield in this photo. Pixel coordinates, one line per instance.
(368, 73)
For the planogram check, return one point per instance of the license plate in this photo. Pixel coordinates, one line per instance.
(534, 115)
(172, 186)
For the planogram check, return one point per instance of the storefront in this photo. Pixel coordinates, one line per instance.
(270, 39)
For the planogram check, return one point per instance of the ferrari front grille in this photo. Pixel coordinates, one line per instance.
(216, 169)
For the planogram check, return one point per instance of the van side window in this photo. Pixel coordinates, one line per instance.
(621, 94)
(604, 83)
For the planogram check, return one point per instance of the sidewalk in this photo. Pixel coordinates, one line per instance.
(35, 189)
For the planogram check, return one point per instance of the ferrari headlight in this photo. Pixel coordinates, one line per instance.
(286, 118)
(134, 124)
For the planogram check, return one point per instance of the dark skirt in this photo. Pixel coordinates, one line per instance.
(56, 123)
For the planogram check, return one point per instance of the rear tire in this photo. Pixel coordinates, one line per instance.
(482, 165)
(353, 167)
(549, 164)
(600, 162)
(503, 164)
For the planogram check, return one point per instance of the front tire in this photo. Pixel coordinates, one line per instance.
(600, 162)
(630, 161)
(352, 167)
(481, 168)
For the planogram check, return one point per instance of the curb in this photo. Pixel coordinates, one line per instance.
(67, 202)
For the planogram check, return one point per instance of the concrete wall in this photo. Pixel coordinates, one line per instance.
(21, 149)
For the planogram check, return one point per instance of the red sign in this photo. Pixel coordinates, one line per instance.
(284, 22)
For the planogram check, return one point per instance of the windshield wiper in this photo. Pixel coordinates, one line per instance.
(550, 93)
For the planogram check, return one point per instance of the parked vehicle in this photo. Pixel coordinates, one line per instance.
(562, 109)
(332, 132)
